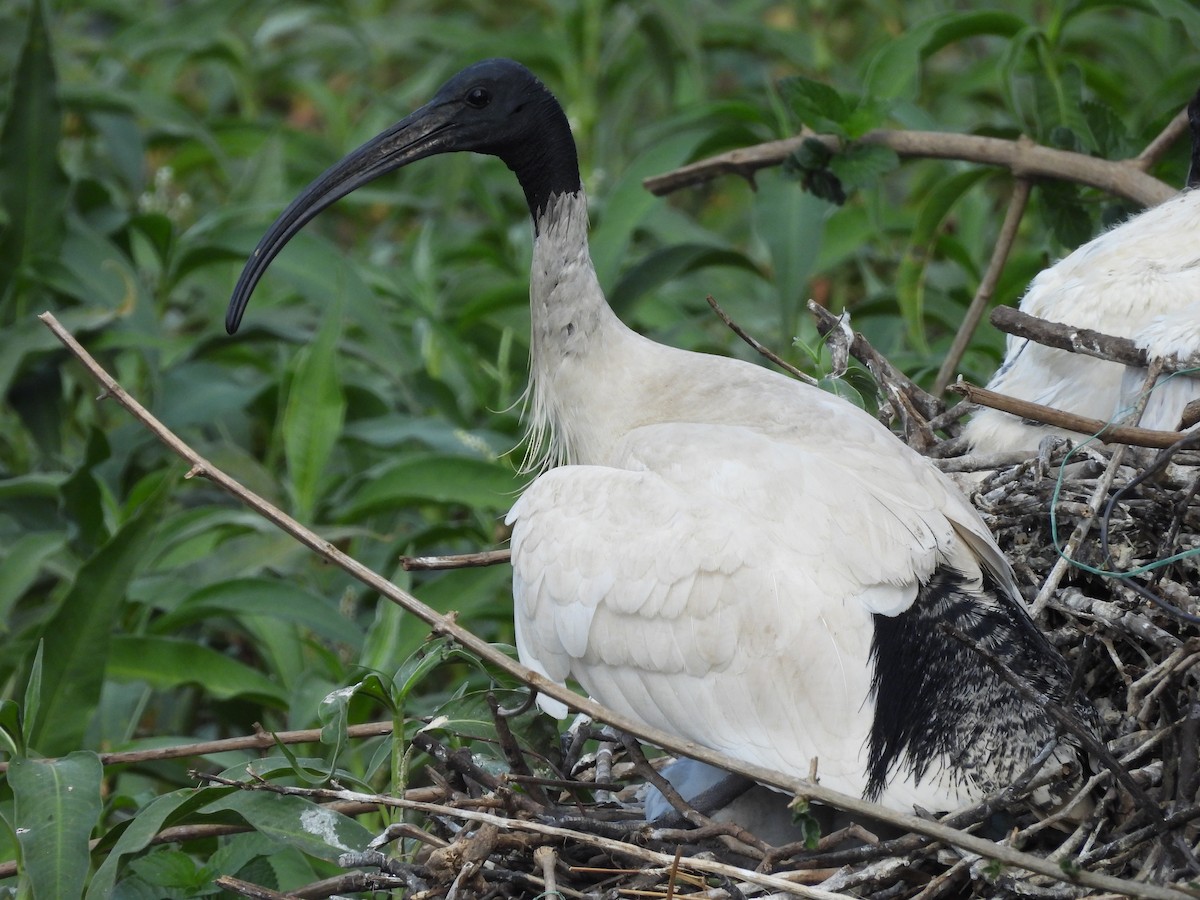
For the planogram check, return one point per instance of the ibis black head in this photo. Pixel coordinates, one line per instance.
(497, 107)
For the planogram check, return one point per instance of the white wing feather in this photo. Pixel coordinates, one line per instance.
(718, 581)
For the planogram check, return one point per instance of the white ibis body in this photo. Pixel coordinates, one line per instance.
(1139, 280)
(714, 549)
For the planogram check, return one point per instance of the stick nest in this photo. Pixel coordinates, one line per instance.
(1136, 659)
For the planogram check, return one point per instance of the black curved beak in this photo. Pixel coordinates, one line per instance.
(426, 132)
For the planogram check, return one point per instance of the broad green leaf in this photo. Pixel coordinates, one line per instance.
(895, 71)
(791, 223)
(861, 165)
(434, 478)
(627, 204)
(910, 280)
(57, 806)
(263, 597)
(312, 421)
(77, 637)
(21, 566)
(33, 691)
(12, 730)
(171, 870)
(33, 186)
(815, 103)
(297, 822)
(136, 833)
(166, 663)
(1182, 10)
(661, 266)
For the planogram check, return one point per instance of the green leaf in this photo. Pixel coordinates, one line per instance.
(166, 663)
(33, 691)
(78, 635)
(792, 224)
(895, 72)
(171, 870)
(434, 478)
(860, 165)
(12, 732)
(1065, 214)
(297, 822)
(910, 280)
(57, 806)
(137, 834)
(816, 104)
(312, 420)
(22, 565)
(263, 597)
(661, 266)
(33, 187)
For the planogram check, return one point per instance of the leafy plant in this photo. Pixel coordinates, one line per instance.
(375, 390)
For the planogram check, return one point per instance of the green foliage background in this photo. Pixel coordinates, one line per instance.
(375, 388)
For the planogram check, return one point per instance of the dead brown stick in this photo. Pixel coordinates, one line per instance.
(757, 345)
(1082, 340)
(1022, 157)
(554, 832)
(987, 285)
(454, 561)
(445, 625)
(263, 740)
(1048, 415)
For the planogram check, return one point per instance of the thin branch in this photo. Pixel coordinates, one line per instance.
(263, 740)
(446, 625)
(764, 350)
(987, 285)
(1022, 157)
(1084, 341)
(555, 832)
(455, 561)
(1048, 415)
(1157, 148)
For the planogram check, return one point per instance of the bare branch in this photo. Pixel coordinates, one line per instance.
(1022, 157)
(1104, 431)
(765, 351)
(987, 286)
(455, 561)
(1081, 340)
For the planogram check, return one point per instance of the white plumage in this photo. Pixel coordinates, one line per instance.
(1139, 280)
(719, 551)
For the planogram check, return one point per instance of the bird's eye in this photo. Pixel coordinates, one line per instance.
(479, 97)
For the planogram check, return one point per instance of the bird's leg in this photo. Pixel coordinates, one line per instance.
(573, 741)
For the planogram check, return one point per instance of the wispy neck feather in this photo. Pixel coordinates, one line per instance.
(568, 312)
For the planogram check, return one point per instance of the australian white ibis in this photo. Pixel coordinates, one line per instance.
(1140, 280)
(715, 549)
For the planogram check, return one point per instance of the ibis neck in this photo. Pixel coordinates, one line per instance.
(573, 332)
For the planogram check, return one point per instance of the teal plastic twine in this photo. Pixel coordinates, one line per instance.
(1189, 439)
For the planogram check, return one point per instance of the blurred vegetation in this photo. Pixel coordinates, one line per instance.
(375, 388)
